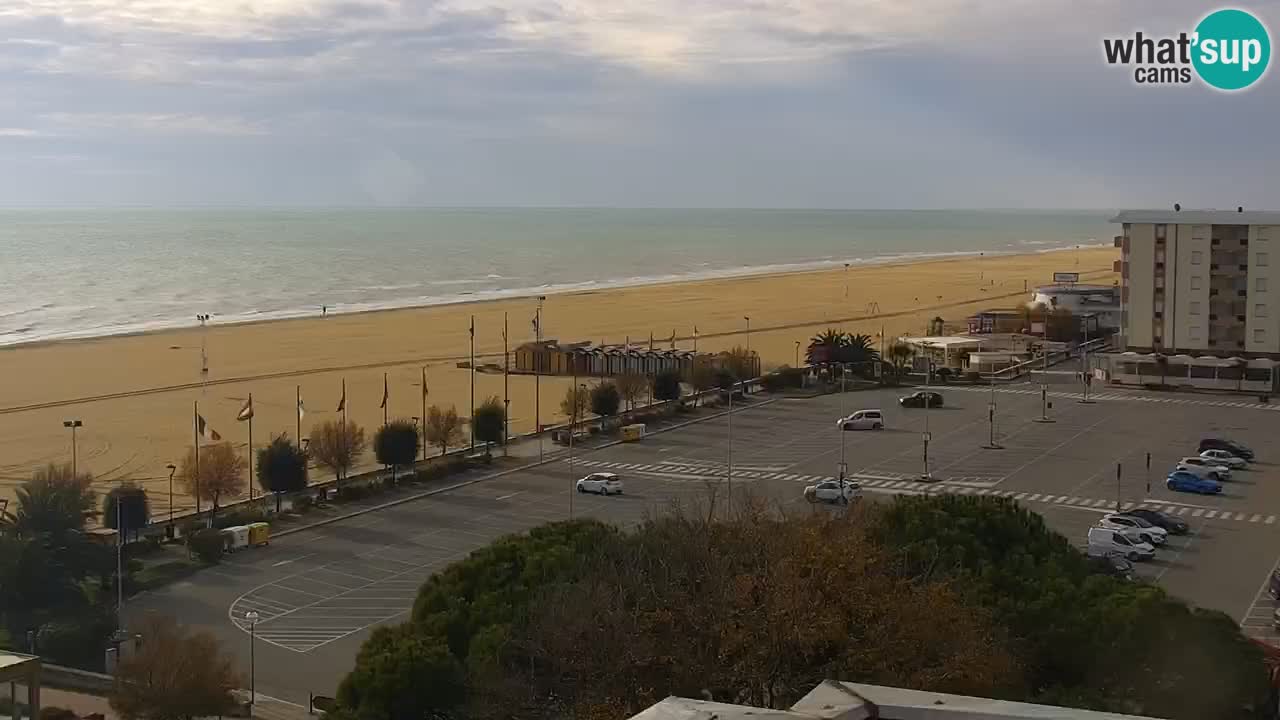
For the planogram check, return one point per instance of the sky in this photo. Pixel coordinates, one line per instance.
(631, 103)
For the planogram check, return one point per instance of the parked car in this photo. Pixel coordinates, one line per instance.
(1175, 525)
(1222, 457)
(921, 398)
(862, 420)
(1113, 565)
(602, 483)
(1230, 446)
(1105, 543)
(1133, 527)
(1204, 468)
(1181, 481)
(833, 491)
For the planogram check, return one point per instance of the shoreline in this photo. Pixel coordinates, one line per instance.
(561, 290)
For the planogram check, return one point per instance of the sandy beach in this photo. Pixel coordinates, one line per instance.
(135, 394)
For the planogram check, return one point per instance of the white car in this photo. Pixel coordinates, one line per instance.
(1135, 528)
(1222, 457)
(1201, 467)
(601, 483)
(1103, 542)
(862, 420)
(831, 491)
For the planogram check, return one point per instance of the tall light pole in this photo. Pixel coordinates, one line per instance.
(537, 372)
(73, 424)
(748, 319)
(252, 617)
(204, 347)
(926, 437)
(843, 464)
(573, 419)
(728, 502)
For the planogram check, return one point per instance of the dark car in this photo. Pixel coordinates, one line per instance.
(1174, 525)
(920, 398)
(1112, 565)
(1230, 446)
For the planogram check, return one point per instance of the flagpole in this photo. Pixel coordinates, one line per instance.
(472, 420)
(506, 388)
(251, 447)
(195, 426)
(344, 423)
(297, 411)
(424, 413)
(537, 374)
(385, 399)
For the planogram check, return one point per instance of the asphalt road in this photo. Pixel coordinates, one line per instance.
(318, 593)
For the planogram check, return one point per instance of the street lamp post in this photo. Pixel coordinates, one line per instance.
(573, 419)
(926, 436)
(173, 469)
(728, 503)
(252, 617)
(748, 319)
(73, 424)
(843, 374)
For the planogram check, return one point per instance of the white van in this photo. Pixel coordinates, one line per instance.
(1104, 542)
(862, 420)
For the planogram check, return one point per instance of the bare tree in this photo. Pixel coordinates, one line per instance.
(632, 386)
(337, 445)
(174, 675)
(443, 428)
(222, 473)
(575, 403)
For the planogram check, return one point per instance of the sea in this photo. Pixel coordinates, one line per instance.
(75, 273)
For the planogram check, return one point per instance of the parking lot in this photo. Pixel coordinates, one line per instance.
(319, 593)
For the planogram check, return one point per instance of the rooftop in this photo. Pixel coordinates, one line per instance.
(14, 666)
(854, 701)
(1199, 217)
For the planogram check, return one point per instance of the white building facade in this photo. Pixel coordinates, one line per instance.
(1198, 298)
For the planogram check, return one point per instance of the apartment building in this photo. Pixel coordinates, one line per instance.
(1200, 283)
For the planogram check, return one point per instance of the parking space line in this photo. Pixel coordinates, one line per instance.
(300, 592)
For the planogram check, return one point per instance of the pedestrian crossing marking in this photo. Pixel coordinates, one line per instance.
(1125, 396)
(897, 485)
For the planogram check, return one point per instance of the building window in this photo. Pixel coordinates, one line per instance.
(1195, 308)
(1259, 335)
(1194, 332)
(1197, 257)
(1260, 284)
(1160, 231)
(1262, 259)
(1195, 282)
(1259, 310)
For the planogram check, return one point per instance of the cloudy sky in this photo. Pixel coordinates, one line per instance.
(704, 103)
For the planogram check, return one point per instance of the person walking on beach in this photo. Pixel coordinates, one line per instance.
(324, 310)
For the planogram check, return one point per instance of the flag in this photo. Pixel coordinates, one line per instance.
(384, 392)
(536, 329)
(246, 412)
(205, 431)
(342, 402)
(673, 339)
(651, 340)
(302, 410)
(473, 327)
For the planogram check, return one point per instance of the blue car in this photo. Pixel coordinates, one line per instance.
(1187, 482)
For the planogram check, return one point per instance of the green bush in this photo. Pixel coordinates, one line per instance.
(77, 641)
(443, 468)
(241, 516)
(206, 544)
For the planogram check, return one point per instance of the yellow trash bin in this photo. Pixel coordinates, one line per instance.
(259, 534)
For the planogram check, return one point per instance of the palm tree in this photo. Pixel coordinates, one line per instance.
(858, 349)
(825, 347)
(899, 353)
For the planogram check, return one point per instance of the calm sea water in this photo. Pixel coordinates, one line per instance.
(77, 273)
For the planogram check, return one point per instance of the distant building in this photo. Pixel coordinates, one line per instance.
(551, 357)
(1100, 302)
(998, 321)
(855, 701)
